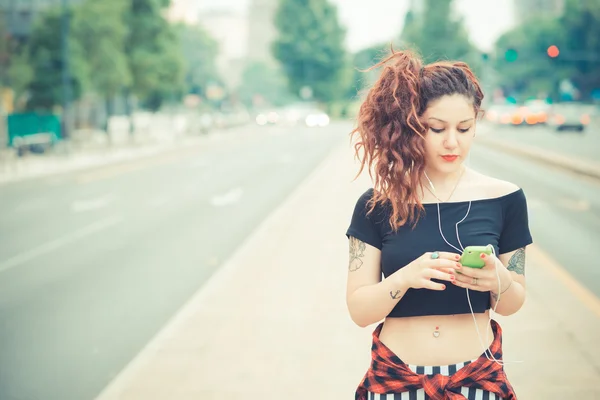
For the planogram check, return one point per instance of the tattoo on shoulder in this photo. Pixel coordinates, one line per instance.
(395, 294)
(357, 251)
(517, 262)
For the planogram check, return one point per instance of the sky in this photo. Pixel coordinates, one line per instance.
(375, 21)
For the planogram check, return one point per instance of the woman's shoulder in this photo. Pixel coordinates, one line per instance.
(495, 188)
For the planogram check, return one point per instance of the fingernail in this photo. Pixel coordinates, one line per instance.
(452, 277)
(458, 265)
(482, 255)
(457, 257)
(444, 286)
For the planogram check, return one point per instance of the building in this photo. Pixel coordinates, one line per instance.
(527, 9)
(185, 11)
(230, 31)
(261, 30)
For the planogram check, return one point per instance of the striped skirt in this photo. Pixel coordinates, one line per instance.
(447, 370)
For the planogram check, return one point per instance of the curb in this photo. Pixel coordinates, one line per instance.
(544, 156)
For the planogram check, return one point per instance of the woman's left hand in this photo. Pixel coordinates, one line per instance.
(484, 279)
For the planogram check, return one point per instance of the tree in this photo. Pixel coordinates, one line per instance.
(20, 75)
(266, 82)
(4, 50)
(100, 29)
(199, 52)
(520, 57)
(579, 44)
(154, 56)
(526, 68)
(438, 34)
(362, 61)
(310, 48)
(45, 56)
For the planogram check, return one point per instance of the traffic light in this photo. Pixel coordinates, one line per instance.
(553, 51)
(511, 55)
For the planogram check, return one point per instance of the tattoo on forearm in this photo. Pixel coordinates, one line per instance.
(517, 262)
(357, 251)
(395, 295)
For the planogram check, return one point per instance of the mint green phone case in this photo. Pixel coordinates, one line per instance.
(471, 256)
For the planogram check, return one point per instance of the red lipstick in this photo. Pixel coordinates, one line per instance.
(450, 158)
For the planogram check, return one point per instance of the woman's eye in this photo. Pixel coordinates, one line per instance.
(464, 130)
(437, 130)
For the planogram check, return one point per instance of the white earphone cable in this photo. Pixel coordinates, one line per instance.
(486, 350)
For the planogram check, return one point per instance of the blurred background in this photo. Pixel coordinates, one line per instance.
(134, 134)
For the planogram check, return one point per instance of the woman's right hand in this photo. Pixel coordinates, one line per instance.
(418, 274)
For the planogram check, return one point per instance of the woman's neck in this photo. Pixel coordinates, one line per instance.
(442, 184)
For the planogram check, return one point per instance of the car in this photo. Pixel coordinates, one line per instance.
(567, 116)
(507, 114)
(537, 112)
(307, 114)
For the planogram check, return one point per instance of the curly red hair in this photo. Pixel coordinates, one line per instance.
(391, 133)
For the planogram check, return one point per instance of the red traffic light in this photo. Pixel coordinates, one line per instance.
(553, 51)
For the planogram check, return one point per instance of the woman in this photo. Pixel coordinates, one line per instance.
(415, 130)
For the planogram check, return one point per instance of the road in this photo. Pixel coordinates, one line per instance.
(93, 264)
(583, 145)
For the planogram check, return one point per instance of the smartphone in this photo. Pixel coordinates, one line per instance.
(471, 256)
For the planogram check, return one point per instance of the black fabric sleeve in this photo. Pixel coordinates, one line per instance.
(515, 223)
(363, 226)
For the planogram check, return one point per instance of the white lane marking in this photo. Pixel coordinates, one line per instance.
(92, 204)
(231, 197)
(58, 242)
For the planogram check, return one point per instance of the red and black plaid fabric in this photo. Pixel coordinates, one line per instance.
(388, 374)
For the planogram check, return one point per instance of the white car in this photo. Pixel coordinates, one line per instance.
(569, 116)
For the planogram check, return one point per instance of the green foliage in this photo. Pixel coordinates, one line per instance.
(44, 52)
(576, 34)
(579, 43)
(4, 51)
(310, 48)
(100, 29)
(266, 81)
(154, 56)
(199, 52)
(521, 58)
(437, 34)
(363, 60)
(20, 74)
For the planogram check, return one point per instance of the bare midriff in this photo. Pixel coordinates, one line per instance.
(413, 340)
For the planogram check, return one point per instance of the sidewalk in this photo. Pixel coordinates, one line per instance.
(535, 148)
(13, 169)
(272, 323)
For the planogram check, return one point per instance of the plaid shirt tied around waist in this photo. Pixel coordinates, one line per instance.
(388, 374)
